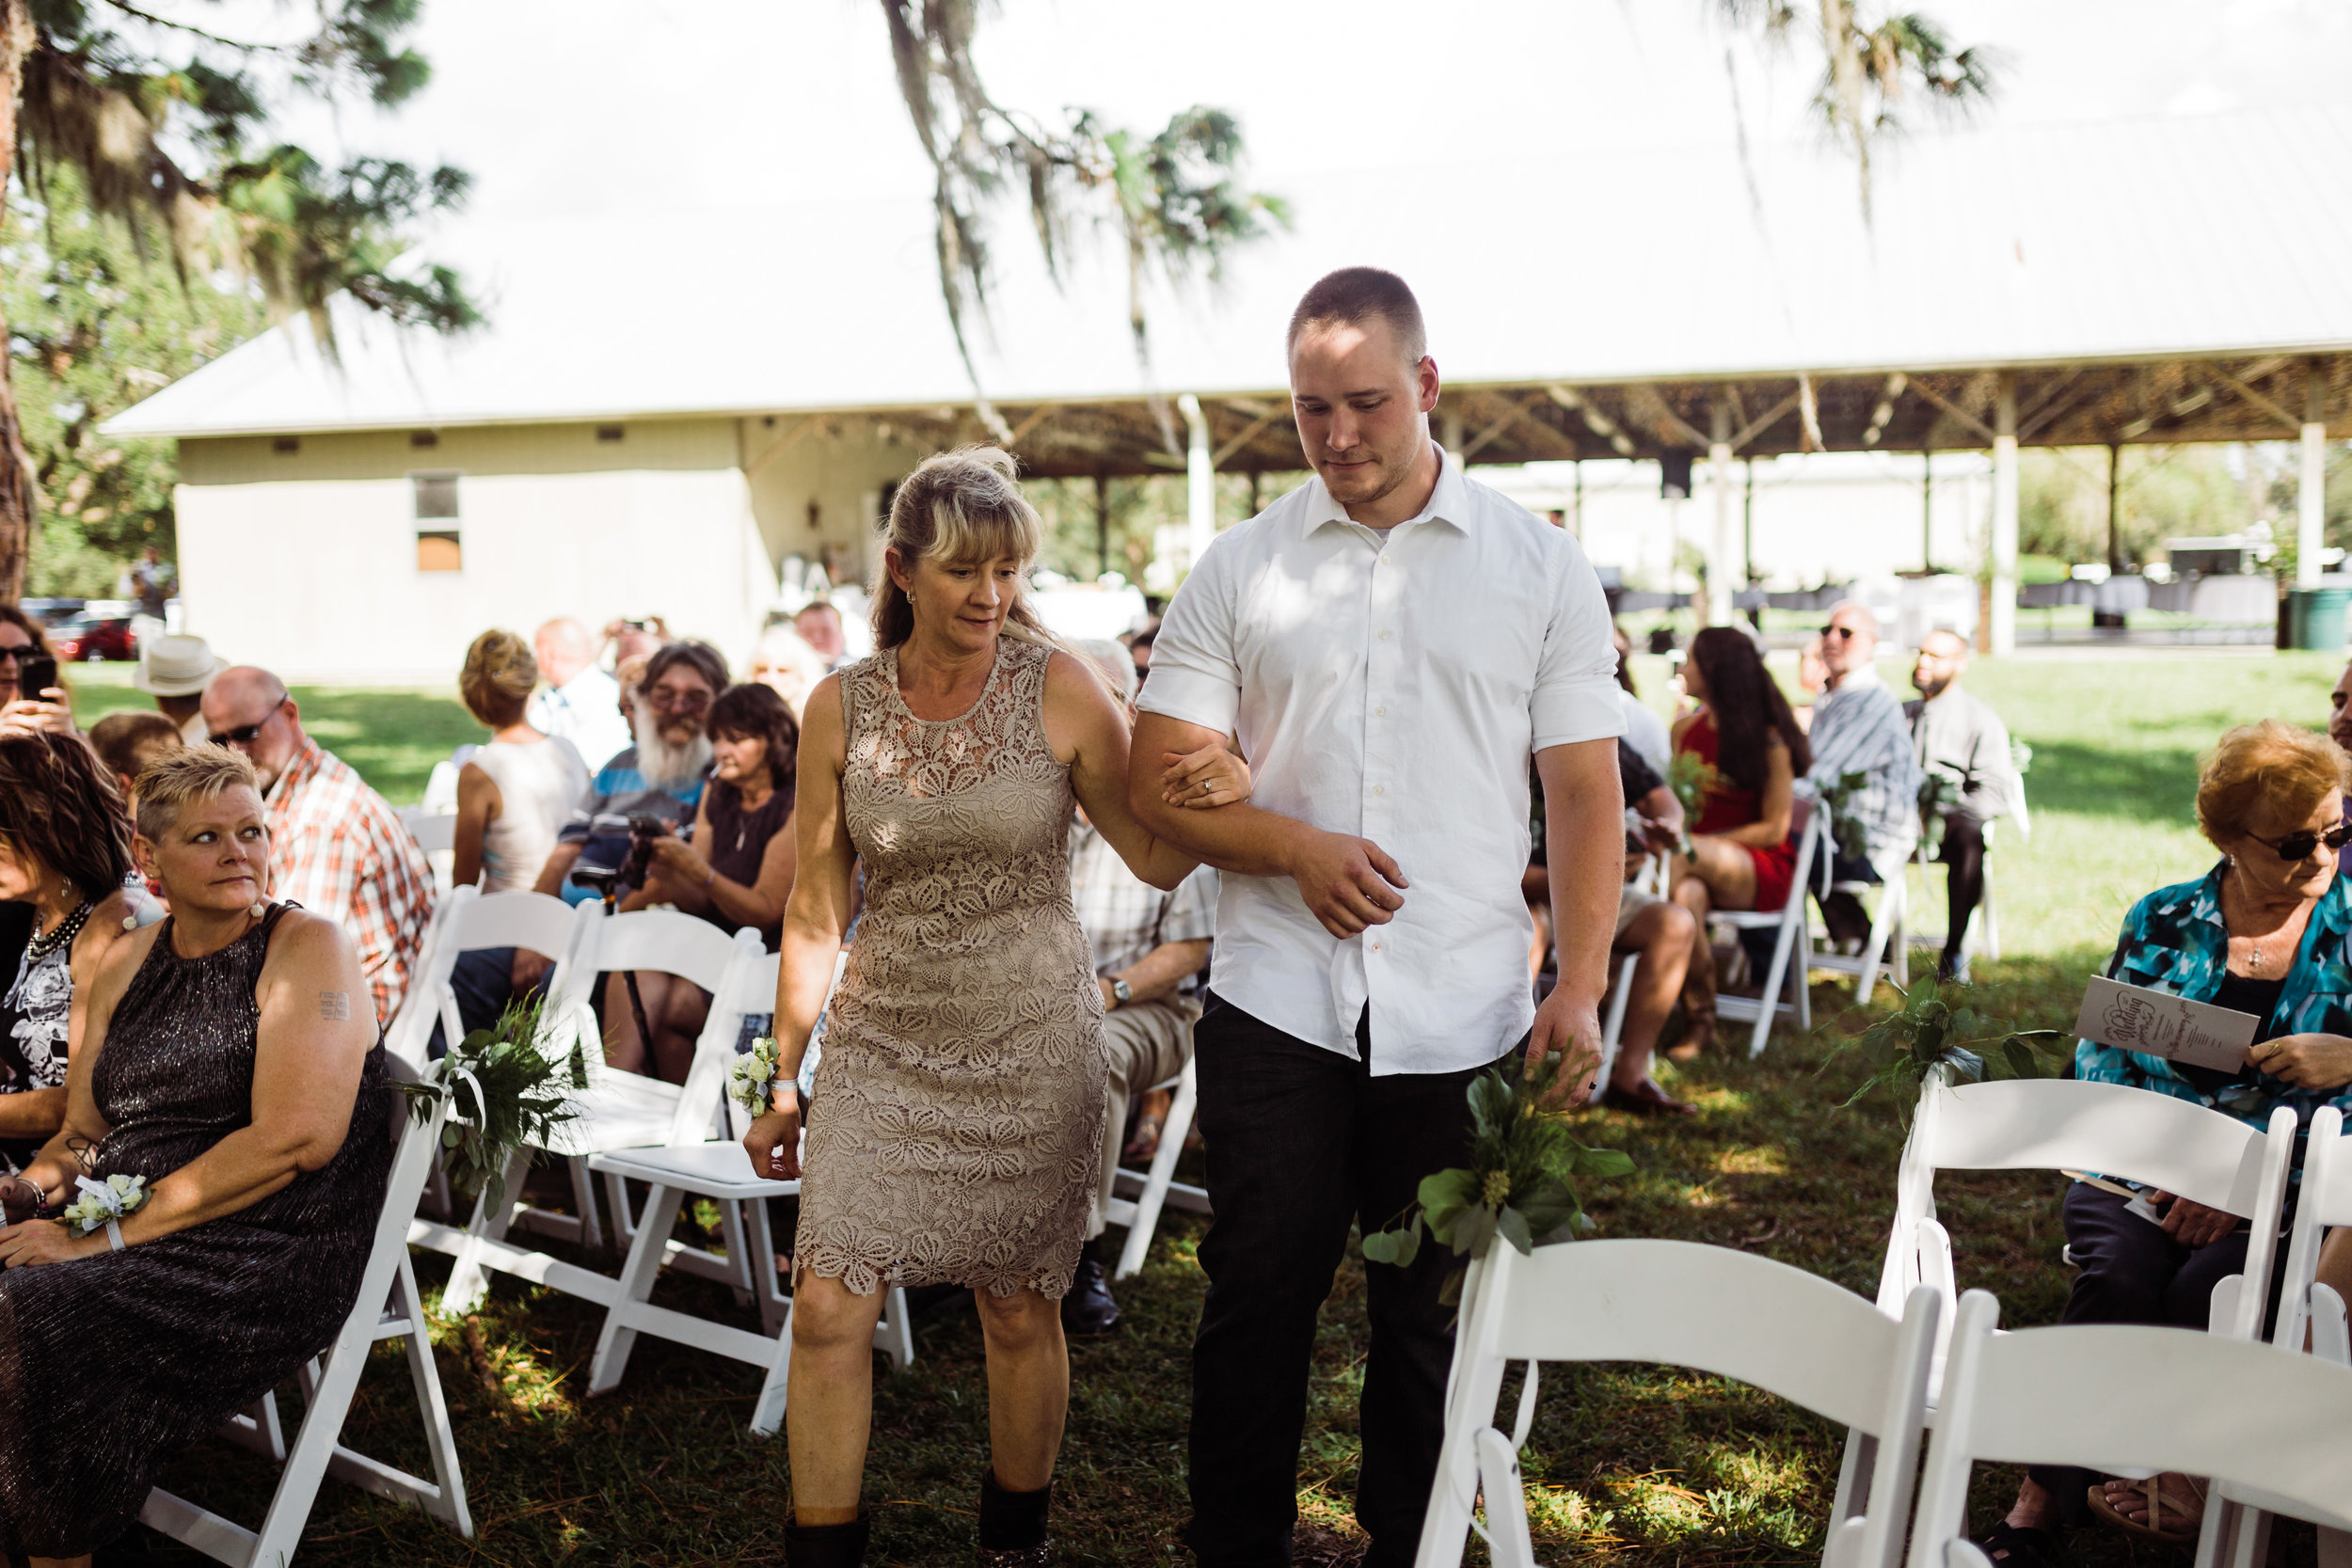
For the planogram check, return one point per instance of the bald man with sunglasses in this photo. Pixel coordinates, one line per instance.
(1859, 727)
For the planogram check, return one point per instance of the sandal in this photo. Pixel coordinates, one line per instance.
(2158, 1501)
(1146, 1142)
(2021, 1547)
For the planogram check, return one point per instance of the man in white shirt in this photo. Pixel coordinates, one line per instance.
(1388, 644)
(579, 702)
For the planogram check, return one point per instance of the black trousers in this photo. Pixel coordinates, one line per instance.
(1302, 1142)
(2131, 1272)
(1962, 852)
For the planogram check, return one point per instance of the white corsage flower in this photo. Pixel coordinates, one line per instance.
(103, 1203)
(753, 1078)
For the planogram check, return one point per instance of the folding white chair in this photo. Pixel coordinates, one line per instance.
(1716, 1309)
(1885, 947)
(465, 921)
(435, 833)
(720, 1171)
(2110, 1130)
(1790, 943)
(1984, 925)
(1139, 1196)
(1655, 877)
(387, 1307)
(617, 1110)
(2269, 1429)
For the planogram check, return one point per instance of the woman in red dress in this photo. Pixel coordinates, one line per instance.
(1741, 857)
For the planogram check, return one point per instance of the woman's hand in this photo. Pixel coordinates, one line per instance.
(2305, 1061)
(1206, 779)
(774, 1141)
(47, 1242)
(2193, 1224)
(26, 716)
(677, 862)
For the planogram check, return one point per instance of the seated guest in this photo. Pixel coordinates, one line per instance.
(819, 624)
(336, 846)
(1955, 737)
(735, 871)
(228, 1059)
(513, 795)
(1858, 727)
(65, 850)
(578, 704)
(1644, 729)
(786, 662)
(1149, 950)
(175, 670)
(1740, 854)
(22, 637)
(2340, 731)
(1139, 652)
(2260, 933)
(127, 740)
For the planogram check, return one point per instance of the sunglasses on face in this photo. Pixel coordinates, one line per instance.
(2299, 845)
(1845, 632)
(678, 702)
(242, 734)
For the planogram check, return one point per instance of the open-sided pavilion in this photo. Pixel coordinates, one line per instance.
(2154, 281)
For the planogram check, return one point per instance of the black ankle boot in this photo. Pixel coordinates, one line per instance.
(826, 1546)
(1012, 1525)
(1090, 1310)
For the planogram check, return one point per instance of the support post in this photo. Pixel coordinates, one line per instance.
(1102, 521)
(1747, 532)
(1578, 465)
(1450, 428)
(2310, 499)
(2004, 617)
(1722, 574)
(2114, 506)
(1927, 509)
(1200, 486)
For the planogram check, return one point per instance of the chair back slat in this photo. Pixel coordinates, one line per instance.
(749, 986)
(531, 919)
(664, 940)
(2112, 1129)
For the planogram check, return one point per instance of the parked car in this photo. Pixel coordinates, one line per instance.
(53, 613)
(88, 639)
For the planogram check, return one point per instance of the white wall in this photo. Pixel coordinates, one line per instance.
(306, 561)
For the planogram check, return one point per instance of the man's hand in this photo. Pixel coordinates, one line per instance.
(1349, 883)
(2193, 1224)
(1571, 1028)
(774, 1139)
(2305, 1061)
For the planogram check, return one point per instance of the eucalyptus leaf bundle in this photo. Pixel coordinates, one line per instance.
(1940, 1031)
(506, 1092)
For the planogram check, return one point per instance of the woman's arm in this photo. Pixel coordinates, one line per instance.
(762, 903)
(478, 806)
(1778, 802)
(815, 917)
(1086, 730)
(315, 1030)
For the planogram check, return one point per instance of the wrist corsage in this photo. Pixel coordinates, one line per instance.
(104, 1206)
(752, 1079)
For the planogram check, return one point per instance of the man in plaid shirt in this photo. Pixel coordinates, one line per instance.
(336, 846)
(1149, 950)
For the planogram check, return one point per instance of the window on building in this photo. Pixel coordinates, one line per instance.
(437, 548)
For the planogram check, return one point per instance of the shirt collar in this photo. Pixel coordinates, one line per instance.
(1449, 504)
(299, 770)
(1867, 675)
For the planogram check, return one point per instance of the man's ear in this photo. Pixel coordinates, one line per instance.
(1425, 380)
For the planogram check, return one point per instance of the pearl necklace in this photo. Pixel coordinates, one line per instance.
(67, 929)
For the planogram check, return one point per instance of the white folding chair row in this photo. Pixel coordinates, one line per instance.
(1791, 942)
(616, 1110)
(1885, 947)
(387, 1307)
(1139, 1196)
(1984, 924)
(2268, 1429)
(1656, 879)
(720, 1171)
(1716, 1309)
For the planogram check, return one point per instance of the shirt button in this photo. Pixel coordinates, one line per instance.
(1381, 712)
(1379, 789)
(1384, 636)
(1384, 559)
(1375, 947)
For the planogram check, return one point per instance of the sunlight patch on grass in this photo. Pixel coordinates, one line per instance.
(1752, 1162)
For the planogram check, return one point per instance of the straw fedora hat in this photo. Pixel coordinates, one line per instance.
(176, 666)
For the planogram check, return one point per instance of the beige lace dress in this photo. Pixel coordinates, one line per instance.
(955, 1116)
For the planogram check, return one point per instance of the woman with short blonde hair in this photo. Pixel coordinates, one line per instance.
(960, 1091)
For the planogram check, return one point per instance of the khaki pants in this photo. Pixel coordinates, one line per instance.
(1148, 1043)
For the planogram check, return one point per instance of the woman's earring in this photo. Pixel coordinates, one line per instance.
(261, 908)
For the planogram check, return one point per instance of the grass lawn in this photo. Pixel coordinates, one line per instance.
(1649, 1470)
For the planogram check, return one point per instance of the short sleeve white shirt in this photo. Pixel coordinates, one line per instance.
(1393, 687)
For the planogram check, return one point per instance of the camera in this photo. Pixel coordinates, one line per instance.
(35, 674)
(643, 829)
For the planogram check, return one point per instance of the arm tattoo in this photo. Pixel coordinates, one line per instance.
(335, 1007)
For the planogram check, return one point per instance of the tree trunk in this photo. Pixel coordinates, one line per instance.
(17, 491)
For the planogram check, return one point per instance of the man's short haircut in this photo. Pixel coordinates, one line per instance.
(1869, 616)
(177, 779)
(128, 740)
(704, 659)
(1354, 295)
(1954, 635)
(813, 606)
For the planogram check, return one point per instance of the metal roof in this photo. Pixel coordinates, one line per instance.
(2164, 278)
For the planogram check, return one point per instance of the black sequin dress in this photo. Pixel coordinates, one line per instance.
(109, 1365)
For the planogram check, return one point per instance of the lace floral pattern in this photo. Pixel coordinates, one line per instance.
(954, 1121)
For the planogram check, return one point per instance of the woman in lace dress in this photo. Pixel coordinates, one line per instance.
(955, 1114)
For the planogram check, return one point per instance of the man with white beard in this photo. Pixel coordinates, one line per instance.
(662, 775)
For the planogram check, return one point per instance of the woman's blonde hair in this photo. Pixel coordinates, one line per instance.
(961, 507)
(499, 676)
(170, 784)
(2290, 770)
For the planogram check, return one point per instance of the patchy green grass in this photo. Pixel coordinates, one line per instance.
(1641, 1466)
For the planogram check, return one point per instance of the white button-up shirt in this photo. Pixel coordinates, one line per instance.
(1392, 686)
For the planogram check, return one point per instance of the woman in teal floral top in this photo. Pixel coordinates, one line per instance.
(2268, 931)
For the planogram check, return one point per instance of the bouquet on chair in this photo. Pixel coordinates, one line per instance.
(1689, 777)
(1520, 1184)
(1845, 830)
(506, 1090)
(1940, 1033)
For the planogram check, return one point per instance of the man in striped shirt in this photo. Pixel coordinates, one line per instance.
(336, 846)
(1859, 727)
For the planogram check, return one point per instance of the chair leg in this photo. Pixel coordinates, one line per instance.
(775, 1307)
(468, 1280)
(732, 1237)
(1886, 925)
(617, 1338)
(314, 1446)
(439, 1440)
(1155, 1194)
(768, 1411)
(1507, 1542)
(1767, 999)
(624, 1220)
(893, 1336)
(1613, 1028)
(584, 1202)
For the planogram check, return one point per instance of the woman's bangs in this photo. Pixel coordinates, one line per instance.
(970, 538)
